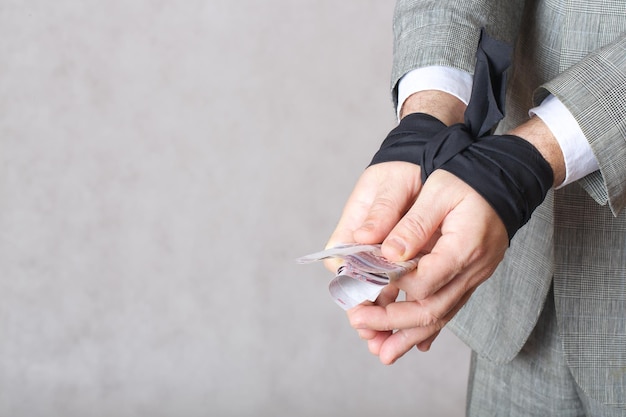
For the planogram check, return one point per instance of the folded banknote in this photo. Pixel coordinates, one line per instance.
(362, 274)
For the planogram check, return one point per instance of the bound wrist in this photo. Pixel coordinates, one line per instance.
(540, 136)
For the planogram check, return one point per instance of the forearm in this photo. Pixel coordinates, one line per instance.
(439, 104)
(539, 135)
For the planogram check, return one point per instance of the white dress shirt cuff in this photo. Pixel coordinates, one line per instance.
(450, 80)
(579, 158)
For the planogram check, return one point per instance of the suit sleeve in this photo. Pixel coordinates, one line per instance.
(594, 91)
(446, 32)
(591, 85)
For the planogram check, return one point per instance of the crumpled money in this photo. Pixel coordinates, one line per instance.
(362, 274)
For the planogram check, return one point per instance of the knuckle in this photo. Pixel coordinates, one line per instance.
(426, 317)
(431, 314)
(383, 204)
(421, 294)
(421, 290)
(429, 319)
(416, 226)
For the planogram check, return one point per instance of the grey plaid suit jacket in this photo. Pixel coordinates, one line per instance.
(576, 50)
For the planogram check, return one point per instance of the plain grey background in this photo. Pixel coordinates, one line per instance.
(163, 164)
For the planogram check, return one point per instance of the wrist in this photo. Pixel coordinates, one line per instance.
(444, 106)
(537, 133)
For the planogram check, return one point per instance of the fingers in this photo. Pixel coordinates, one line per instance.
(403, 340)
(375, 338)
(381, 196)
(393, 329)
(416, 313)
(385, 343)
(355, 210)
(426, 344)
(396, 192)
(376, 343)
(470, 240)
(450, 259)
(354, 213)
(423, 219)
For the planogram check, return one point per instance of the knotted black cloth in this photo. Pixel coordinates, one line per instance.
(506, 170)
(406, 141)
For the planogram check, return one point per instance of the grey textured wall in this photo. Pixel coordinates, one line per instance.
(162, 164)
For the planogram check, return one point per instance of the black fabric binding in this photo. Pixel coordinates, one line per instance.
(506, 170)
(413, 132)
(486, 106)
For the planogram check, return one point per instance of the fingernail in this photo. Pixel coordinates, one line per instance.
(395, 245)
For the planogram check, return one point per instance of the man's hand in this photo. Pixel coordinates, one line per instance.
(469, 242)
(379, 200)
(385, 192)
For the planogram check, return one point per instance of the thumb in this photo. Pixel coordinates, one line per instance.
(397, 187)
(422, 221)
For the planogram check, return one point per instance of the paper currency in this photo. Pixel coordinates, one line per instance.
(362, 274)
